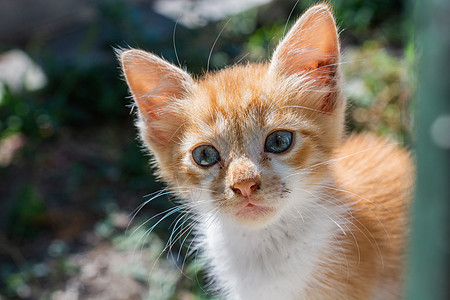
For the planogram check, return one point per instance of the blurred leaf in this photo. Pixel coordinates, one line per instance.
(28, 209)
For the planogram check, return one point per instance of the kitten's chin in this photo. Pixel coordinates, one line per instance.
(255, 215)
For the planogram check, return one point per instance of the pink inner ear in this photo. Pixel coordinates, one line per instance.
(153, 81)
(158, 95)
(310, 46)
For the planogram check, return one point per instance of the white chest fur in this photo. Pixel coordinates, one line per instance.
(276, 262)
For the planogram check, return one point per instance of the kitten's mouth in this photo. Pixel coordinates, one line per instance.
(252, 210)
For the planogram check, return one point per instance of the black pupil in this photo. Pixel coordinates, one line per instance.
(206, 155)
(278, 141)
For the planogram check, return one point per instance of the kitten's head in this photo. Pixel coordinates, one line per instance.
(248, 141)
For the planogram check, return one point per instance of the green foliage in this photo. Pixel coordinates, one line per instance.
(22, 114)
(361, 20)
(28, 209)
(378, 87)
(261, 43)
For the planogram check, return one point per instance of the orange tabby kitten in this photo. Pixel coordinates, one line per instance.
(286, 208)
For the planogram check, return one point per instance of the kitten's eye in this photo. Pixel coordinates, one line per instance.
(205, 155)
(278, 141)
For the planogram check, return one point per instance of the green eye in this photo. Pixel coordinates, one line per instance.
(206, 155)
(278, 141)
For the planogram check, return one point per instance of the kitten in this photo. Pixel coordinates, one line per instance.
(287, 208)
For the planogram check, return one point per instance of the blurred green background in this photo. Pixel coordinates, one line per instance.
(72, 173)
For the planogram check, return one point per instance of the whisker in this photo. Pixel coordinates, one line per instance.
(214, 44)
(372, 241)
(174, 40)
(146, 234)
(311, 213)
(166, 213)
(289, 17)
(324, 207)
(335, 215)
(139, 208)
(327, 162)
(304, 107)
(240, 59)
(215, 212)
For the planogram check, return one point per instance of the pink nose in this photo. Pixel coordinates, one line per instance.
(245, 188)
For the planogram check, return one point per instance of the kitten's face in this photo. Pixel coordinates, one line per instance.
(245, 147)
(247, 142)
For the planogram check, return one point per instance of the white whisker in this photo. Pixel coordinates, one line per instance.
(174, 40)
(214, 44)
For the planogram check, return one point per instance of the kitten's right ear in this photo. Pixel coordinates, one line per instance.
(311, 45)
(311, 49)
(155, 85)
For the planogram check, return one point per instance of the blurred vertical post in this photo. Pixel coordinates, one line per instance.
(428, 274)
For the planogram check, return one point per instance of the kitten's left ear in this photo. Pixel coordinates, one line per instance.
(311, 47)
